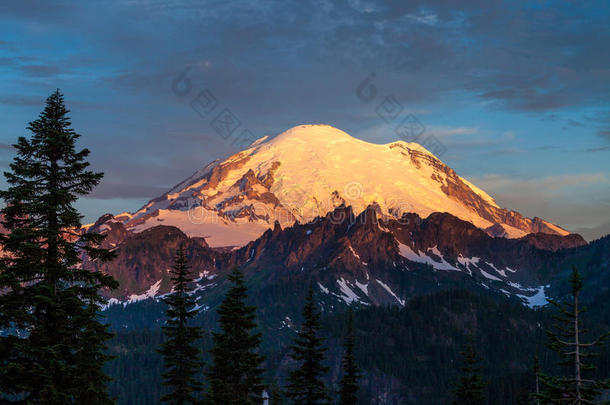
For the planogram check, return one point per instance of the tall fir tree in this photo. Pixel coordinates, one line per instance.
(55, 353)
(305, 384)
(470, 386)
(348, 385)
(180, 351)
(236, 374)
(567, 342)
(529, 393)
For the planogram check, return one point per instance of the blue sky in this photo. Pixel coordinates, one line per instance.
(517, 92)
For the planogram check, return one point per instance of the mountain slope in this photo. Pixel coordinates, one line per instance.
(309, 170)
(368, 258)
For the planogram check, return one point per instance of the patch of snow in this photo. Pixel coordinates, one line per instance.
(557, 229)
(489, 276)
(501, 272)
(258, 141)
(200, 287)
(217, 231)
(536, 300)
(436, 252)
(324, 289)
(363, 287)
(389, 290)
(465, 261)
(511, 232)
(520, 287)
(150, 293)
(198, 307)
(287, 323)
(111, 302)
(408, 253)
(348, 295)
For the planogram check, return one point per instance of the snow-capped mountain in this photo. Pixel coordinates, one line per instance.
(309, 170)
(370, 223)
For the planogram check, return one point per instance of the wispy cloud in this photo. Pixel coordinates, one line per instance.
(543, 184)
(446, 132)
(600, 148)
(110, 190)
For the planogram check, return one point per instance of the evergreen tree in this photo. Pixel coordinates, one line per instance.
(53, 353)
(92, 354)
(275, 395)
(236, 375)
(536, 370)
(567, 343)
(305, 384)
(348, 386)
(537, 374)
(182, 355)
(469, 390)
(527, 397)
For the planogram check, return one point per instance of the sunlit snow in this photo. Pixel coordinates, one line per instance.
(389, 290)
(313, 164)
(150, 293)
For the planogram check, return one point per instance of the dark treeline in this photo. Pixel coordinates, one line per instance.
(474, 374)
(452, 346)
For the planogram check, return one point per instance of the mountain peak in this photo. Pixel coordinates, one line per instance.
(313, 133)
(310, 139)
(325, 136)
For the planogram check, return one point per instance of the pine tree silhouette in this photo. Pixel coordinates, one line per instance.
(348, 386)
(469, 390)
(180, 351)
(236, 375)
(567, 343)
(305, 384)
(56, 353)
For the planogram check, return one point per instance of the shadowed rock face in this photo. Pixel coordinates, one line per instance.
(545, 241)
(341, 228)
(113, 229)
(358, 249)
(354, 249)
(145, 258)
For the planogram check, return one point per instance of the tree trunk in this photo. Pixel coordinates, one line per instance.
(577, 350)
